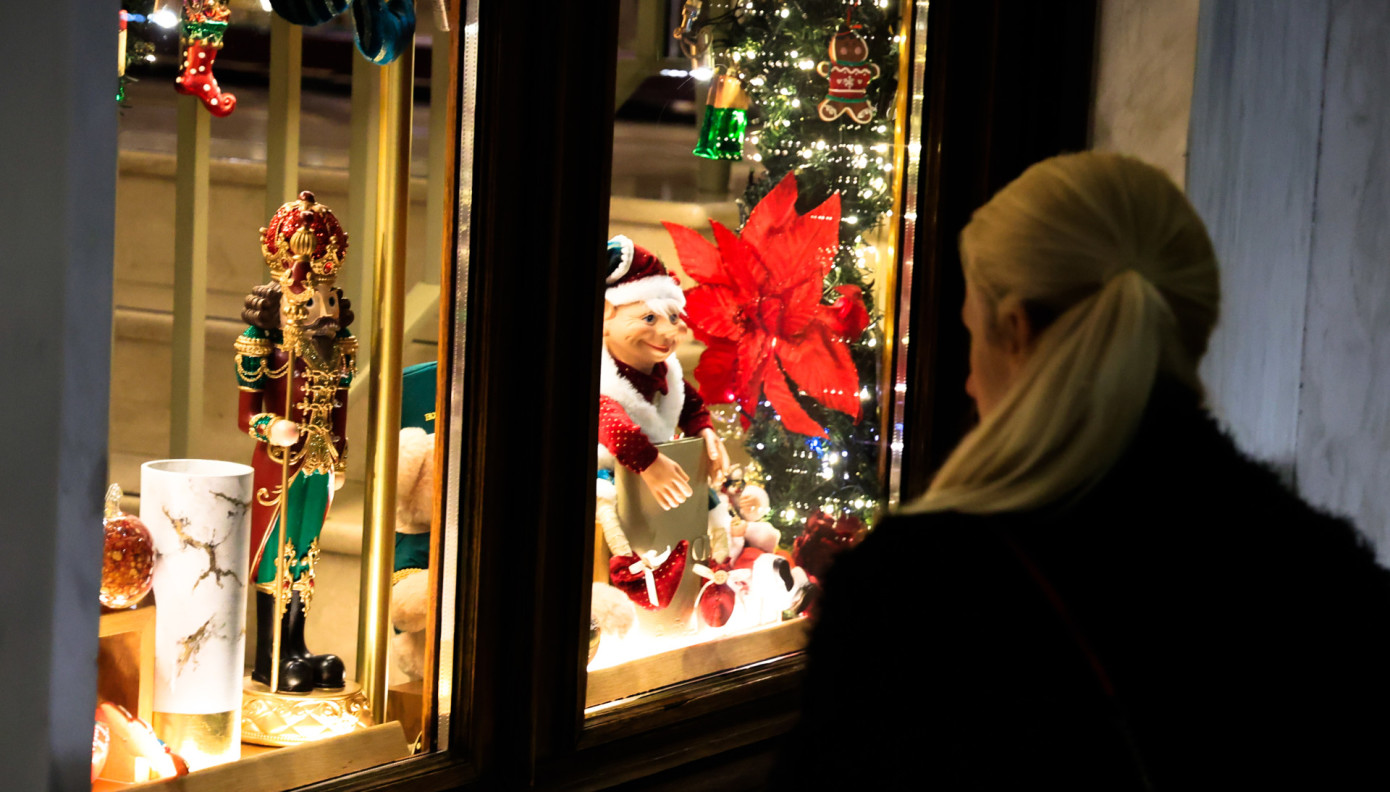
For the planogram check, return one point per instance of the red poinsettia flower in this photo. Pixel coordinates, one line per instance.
(758, 310)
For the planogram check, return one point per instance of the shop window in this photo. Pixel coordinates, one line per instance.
(750, 369)
(283, 390)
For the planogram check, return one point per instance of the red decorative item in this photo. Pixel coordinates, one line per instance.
(824, 538)
(204, 22)
(758, 310)
(715, 602)
(649, 580)
(849, 73)
(127, 565)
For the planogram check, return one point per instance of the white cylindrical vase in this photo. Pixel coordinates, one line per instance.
(199, 513)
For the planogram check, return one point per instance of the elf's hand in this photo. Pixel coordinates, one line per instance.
(718, 456)
(668, 482)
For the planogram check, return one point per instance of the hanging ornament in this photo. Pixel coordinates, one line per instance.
(689, 32)
(121, 60)
(204, 22)
(849, 73)
(383, 28)
(726, 117)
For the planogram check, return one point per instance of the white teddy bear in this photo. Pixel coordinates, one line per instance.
(410, 591)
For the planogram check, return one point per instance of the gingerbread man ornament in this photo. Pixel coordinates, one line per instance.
(849, 73)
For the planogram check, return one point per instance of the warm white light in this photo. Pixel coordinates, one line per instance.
(165, 18)
(702, 73)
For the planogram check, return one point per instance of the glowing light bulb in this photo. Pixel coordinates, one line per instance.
(165, 18)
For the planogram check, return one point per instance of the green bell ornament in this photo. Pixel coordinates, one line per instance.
(726, 117)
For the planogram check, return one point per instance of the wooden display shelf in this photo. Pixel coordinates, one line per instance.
(679, 665)
(125, 660)
(272, 769)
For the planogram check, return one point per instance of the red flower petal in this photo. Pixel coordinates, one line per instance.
(793, 417)
(712, 310)
(715, 372)
(773, 213)
(804, 247)
(741, 262)
(700, 259)
(754, 366)
(821, 366)
(850, 314)
(802, 307)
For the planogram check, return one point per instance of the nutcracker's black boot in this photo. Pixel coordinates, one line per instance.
(327, 669)
(296, 674)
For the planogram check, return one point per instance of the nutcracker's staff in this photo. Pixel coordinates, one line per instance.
(290, 334)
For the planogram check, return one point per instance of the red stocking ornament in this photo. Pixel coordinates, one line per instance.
(650, 579)
(204, 22)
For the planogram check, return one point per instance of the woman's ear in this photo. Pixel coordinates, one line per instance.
(1016, 333)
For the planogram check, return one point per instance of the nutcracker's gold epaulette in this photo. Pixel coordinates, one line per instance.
(347, 344)
(253, 346)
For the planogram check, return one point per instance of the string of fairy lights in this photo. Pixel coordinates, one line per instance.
(774, 48)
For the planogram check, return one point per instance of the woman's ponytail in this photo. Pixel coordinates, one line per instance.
(1058, 241)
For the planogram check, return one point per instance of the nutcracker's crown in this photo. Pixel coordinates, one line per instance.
(304, 246)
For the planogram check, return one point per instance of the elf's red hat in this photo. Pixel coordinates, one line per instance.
(636, 275)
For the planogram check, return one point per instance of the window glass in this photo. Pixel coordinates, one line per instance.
(752, 272)
(276, 362)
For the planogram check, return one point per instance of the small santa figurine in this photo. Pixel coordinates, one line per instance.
(644, 401)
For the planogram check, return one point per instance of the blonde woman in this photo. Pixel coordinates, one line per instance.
(1099, 591)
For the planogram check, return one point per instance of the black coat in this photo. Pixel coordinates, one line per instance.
(1245, 636)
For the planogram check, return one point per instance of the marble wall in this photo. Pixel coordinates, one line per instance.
(1255, 118)
(1343, 458)
(1290, 167)
(1145, 54)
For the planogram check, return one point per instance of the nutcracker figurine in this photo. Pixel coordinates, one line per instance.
(293, 365)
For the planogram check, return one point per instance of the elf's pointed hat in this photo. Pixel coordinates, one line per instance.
(636, 275)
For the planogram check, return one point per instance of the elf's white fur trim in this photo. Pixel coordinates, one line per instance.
(604, 489)
(658, 287)
(629, 249)
(658, 421)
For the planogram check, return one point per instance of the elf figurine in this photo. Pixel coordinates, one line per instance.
(643, 401)
(293, 365)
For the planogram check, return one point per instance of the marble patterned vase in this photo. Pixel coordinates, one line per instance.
(199, 513)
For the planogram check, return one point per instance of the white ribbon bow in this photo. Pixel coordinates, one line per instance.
(646, 563)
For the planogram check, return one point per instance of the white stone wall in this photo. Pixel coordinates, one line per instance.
(1145, 55)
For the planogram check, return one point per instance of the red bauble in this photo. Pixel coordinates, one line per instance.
(717, 598)
(824, 538)
(758, 310)
(127, 566)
